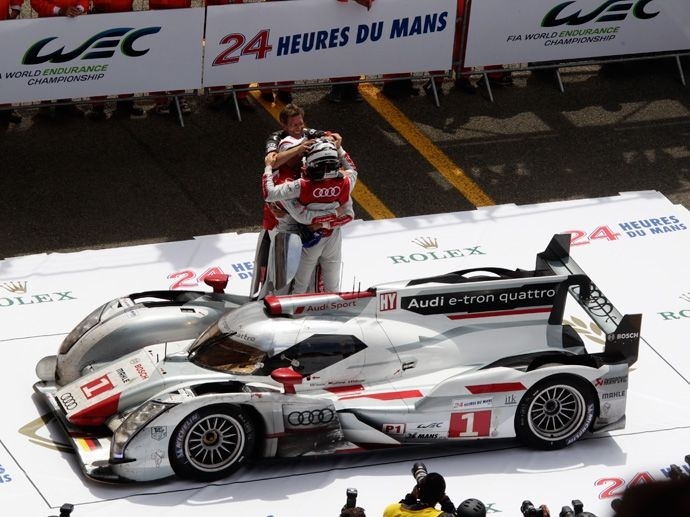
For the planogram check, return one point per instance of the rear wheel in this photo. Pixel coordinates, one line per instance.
(212, 442)
(554, 413)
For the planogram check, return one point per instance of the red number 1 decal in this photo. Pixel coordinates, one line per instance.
(470, 424)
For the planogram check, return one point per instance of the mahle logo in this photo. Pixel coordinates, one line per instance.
(99, 46)
(609, 11)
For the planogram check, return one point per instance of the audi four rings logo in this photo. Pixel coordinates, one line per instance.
(315, 416)
(68, 401)
(327, 191)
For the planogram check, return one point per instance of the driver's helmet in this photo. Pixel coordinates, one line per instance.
(322, 160)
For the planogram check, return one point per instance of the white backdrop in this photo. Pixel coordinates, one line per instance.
(634, 246)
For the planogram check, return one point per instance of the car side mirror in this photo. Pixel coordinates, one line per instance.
(218, 282)
(288, 378)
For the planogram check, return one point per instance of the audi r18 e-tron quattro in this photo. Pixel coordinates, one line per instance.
(469, 355)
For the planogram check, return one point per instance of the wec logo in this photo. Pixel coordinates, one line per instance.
(99, 46)
(609, 11)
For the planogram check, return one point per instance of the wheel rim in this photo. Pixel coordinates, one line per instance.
(214, 442)
(557, 412)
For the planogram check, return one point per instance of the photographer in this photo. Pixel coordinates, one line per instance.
(350, 509)
(429, 491)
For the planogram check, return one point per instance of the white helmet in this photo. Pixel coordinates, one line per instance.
(322, 159)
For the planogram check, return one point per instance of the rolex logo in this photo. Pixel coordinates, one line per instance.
(429, 243)
(15, 287)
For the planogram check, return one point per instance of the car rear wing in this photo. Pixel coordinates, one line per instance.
(622, 331)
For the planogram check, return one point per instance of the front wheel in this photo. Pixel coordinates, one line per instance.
(211, 442)
(554, 413)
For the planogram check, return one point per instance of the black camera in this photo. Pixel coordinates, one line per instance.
(65, 510)
(350, 498)
(576, 511)
(419, 472)
(528, 510)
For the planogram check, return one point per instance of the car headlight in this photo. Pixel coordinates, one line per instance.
(134, 423)
(82, 328)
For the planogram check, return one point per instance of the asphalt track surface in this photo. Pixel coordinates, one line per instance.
(72, 184)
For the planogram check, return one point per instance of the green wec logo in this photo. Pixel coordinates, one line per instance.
(609, 11)
(99, 46)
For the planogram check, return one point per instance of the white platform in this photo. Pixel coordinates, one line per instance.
(642, 267)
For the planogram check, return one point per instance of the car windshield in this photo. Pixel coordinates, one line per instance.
(219, 351)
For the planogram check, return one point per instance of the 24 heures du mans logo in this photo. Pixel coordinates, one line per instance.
(568, 13)
(99, 46)
(16, 293)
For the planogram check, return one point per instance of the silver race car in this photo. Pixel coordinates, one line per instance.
(194, 385)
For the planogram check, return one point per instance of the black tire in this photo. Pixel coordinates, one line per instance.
(211, 443)
(554, 413)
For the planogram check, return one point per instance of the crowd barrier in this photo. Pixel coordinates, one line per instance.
(231, 47)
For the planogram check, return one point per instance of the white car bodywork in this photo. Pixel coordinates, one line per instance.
(474, 354)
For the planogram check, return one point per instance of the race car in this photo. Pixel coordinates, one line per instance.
(470, 355)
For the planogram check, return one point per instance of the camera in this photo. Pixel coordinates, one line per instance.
(528, 510)
(419, 472)
(350, 498)
(575, 511)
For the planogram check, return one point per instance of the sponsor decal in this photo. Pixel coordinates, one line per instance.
(473, 403)
(68, 401)
(393, 428)
(470, 424)
(96, 387)
(5, 476)
(123, 375)
(678, 314)
(613, 395)
(388, 301)
(424, 436)
(326, 192)
(87, 444)
(260, 44)
(429, 243)
(611, 380)
(431, 425)
(159, 432)
(24, 298)
(311, 417)
(434, 254)
(568, 17)
(485, 302)
(99, 46)
(510, 400)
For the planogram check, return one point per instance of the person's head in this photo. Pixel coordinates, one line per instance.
(357, 511)
(471, 508)
(432, 488)
(322, 160)
(292, 119)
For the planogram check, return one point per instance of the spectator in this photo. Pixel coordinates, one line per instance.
(166, 100)
(423, 500)
(125, 104)
(71, 9)
(330, 177)
(9, 10)
(357, 511)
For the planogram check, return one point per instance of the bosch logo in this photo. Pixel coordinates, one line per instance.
(316, 416)
(326, 191)
(68, 401)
